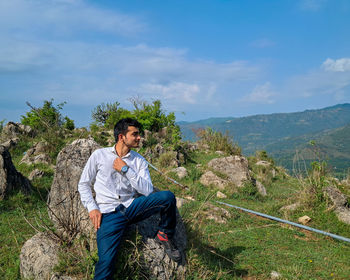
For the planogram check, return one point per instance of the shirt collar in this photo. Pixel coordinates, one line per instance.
(128, 155)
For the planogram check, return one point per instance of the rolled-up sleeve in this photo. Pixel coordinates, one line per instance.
(85, 183)
(140, 181)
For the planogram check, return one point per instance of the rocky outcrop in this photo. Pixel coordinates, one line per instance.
(234, 167)
(340, 202)
(36, 173)
(10, 178)
(209, 178)
(37, 154)
(180, 172)
(38, 257)
(261, 188)
(12, 130)
(156, 261)
(65, 208)
(10, 143)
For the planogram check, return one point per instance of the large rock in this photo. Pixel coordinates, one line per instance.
(37, 154)
(10, 178)
(38, 257)
(156, 261)
(12, 129)
(10, 143)
(209, 178)
(340, 202)
(65, 207)
(234, 167)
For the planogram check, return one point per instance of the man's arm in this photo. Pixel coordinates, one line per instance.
(140, 180)
(84, 187)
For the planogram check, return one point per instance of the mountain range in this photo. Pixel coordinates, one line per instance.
(286, 136)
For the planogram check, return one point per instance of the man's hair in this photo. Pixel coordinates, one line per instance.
(121, 127)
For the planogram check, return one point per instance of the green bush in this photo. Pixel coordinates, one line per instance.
(218, 141)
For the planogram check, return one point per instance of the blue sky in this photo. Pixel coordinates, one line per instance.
(201, 58)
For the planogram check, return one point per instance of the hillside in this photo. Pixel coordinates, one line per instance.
(280, 134)
(331, 145)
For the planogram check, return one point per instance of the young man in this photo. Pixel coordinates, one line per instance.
(118, 174)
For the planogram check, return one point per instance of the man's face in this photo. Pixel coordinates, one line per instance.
(132, 137)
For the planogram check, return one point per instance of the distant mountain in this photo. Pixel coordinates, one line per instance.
(330, 145)
(281, 134)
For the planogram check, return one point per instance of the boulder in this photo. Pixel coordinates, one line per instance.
(10, 143)
(291, 207)
(36, 173)
(209, 178)
(12, 129)
(10, 178)
(156, 261)
(340, 202)
(37, 154)
(65, 207)
(234, 167)
(38, 257)
(181, 172)
(261, 188)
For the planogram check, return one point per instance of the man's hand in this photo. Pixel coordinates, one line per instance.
(118, 164)
(95, 216)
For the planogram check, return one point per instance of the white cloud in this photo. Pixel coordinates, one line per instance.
(331, 79)
(261, 94)
(39, 18)
(338, 65)
(178, 91)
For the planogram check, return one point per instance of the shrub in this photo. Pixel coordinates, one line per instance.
(218, 141)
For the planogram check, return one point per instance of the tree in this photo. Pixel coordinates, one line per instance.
(46, 117)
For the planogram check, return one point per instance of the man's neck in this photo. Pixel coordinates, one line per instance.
(121, 149)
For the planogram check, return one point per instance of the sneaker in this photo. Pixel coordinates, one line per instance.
(169, 246)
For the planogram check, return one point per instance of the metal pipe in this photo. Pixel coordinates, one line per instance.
(288, 222)
(167, 177)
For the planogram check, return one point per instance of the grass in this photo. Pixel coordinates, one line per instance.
(245, 247)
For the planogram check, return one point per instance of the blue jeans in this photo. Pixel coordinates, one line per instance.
(113, 225)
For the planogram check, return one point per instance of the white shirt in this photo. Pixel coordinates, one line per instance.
(111, 187)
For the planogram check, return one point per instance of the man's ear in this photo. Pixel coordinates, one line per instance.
(120, 137)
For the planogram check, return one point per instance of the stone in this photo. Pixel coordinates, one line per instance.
(10, 178)
(218, 214)
(221, 195)
(234, 167)
(304, 220)
(181, 172)
(180, 202)
(336, 196)
(340, 203)
(38, 257)
(275, 275)
(263, 163)
(36, 173)
(10, 143)
(221, 153)
(12, 129)
(65, 208)
(291, 207)
(57, 276)
(261, 188)
(209, 178)
(156, 261)
(37, 154)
